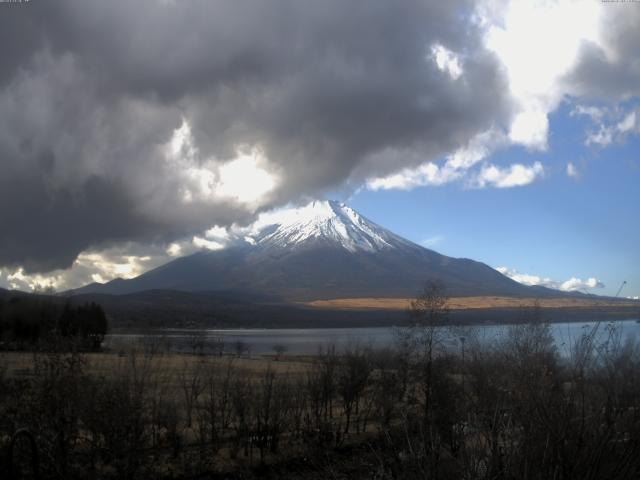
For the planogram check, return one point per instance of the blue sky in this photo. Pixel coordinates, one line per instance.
(558, 226)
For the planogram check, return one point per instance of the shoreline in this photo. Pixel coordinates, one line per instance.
(462, 318)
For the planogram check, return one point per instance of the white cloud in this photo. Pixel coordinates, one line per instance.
(574, 284)
(447, 61)
(245, 178)
(215, 238)
(217, 233)
(458, 166)
(571, 285)
(455, 167)
(572, 171)
(594, 113)
(530, 127)
(208, 244)
(636, 297)
(109, 265)
(407, 179)
(526, 279)
(515, 175)
(477, 149)
(612, 126)
(538, 43)
(603, 137)
(125, 262)
(174, 250)
(18, 280)
(628, 124)
(180, 145)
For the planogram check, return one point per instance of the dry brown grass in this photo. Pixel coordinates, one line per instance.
(464, 303)
(171, 365)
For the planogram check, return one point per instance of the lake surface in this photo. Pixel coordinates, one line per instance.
(309, 341)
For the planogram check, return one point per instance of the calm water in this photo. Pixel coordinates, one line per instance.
(309, 341)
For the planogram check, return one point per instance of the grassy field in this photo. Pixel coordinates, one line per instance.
(172, 365)
(469, 303)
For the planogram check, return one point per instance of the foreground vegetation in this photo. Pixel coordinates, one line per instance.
(512, 409)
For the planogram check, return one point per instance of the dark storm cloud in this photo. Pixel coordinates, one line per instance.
(612, 72)
(90, 91)
(93, 209)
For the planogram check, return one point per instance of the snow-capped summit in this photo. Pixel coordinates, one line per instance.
(324, 222)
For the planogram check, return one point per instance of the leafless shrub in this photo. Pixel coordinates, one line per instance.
(352, 379)
(270, 411)
(192, 385)
(241, 348)
(279, 350)
(216, 344)
(197, 342)
(242, 422)
(215, 408)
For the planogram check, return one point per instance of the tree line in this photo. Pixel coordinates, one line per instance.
(27, 321)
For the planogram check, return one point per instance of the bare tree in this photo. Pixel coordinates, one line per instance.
(197, 341)
(353, 376)
(192, 384)
(217, 345)
(242, 403)
(279, 350)
(270, 411)
(321, 388)
(215, 408)
(240, 347)
(428, 312)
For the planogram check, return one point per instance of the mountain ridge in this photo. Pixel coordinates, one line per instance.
(319, 251)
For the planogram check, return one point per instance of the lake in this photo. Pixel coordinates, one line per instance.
(309, 341)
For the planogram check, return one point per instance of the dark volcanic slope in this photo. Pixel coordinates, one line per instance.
(326, 251)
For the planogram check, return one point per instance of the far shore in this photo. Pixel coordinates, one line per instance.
(469, 303)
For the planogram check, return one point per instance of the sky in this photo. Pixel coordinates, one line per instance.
(507, 132)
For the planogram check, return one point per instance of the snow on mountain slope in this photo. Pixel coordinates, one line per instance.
(326, 222)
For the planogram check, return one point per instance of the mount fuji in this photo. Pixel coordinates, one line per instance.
(324, 250)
